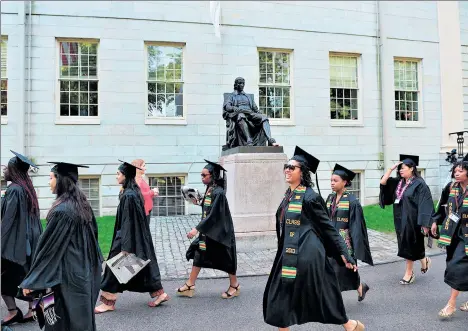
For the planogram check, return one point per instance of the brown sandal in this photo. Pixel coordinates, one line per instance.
(153, 304)
(189, 292)
(105, 302)
(227, 295)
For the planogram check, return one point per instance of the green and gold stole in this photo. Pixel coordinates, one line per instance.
(292, 227)
(206, 207)
(341, 215)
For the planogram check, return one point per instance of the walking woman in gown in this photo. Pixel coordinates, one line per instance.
(302, 286)
(347, 217)
(412, 211)
(21, 229)
(147, 193)
(68, 258)
(452, 214)
(132, 235)
(215, 246)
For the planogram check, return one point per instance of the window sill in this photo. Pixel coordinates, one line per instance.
(351, 123)
(281, 122)
(166, 121)
(77, 121)
(4, 120)
(414, 124)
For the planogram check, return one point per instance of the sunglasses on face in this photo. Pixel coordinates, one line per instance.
(290, 167)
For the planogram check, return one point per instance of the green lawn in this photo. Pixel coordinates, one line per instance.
(105, 229)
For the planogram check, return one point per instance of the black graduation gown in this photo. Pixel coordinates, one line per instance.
(68, 260)
(132, 234)
(348, 219)
(20, 235)
(315, 295)
(412, 212)
(456, 270)
(217, 231)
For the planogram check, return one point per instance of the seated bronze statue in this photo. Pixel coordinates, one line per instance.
(245, 125)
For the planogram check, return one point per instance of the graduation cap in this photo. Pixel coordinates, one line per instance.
(128, 169)
(311, 162)
(342, 171)
(215, 166)
(414, 158)
(22, 161)
(465, 159)
(67, 169)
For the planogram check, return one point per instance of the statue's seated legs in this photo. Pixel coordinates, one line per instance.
(244, 127)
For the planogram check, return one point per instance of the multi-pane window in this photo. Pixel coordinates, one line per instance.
(165, 81)
(355, 187)
(90, 187)
(274, 84)
(4, 79)
(78, 79)
(343, 87)
(406, 90)
(170, 201)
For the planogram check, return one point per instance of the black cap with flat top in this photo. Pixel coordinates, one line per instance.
(22, 161)
(215, 165)
(344, 172)
(67, 169)
(311, 162)
(465, 158)
(413, 158)
(128, 169)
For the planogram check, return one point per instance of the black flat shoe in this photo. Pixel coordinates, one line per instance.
(15, 319)
(365, 288)
(27, 319)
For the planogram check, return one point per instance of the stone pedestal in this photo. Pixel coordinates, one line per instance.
(255, 187)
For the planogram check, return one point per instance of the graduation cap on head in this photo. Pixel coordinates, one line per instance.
(413, 158)
(128, 169)
(311, 162)
(215, 166)
(22, 161)
(67, 169)
(465, 159)
(342, 171)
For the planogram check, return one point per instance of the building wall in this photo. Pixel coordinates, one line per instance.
(210, 66)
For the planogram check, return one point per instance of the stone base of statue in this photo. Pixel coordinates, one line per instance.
(255, 188)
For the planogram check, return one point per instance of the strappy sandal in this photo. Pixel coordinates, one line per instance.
(105, 302)
(153, 304)
(444, 314)
(428, 265)
(464, 307)
(227, 295)
(409, 281)
(359, 326)
(189, 292)
(15, 319)
(364, 290)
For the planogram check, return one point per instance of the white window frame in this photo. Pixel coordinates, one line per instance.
(76, 120)
(420, 122)
(185, 176)
(278, 121)
(4, 118)
(422, 172)
(155, 120)
(100, 190)
(350, 122)
(361, 185)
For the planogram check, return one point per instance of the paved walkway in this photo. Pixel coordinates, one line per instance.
(171, 243)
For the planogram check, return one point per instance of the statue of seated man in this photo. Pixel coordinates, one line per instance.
(245, 125)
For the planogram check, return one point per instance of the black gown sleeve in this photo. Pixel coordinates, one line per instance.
(425, 205)
(440, 214)
(129, 228)
(358, 232)
(333, 242)
(387, 192)
(46, 269)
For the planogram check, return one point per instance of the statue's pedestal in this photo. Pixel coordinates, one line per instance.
(255, 187)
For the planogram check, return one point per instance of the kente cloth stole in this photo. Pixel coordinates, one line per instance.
(341, 216)
(206, 210)
(291, 234)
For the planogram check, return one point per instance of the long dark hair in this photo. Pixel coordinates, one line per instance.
(306, 179)
(409, 163)
(216, 179)
(131, 184)
(21, 178)
(68, 191)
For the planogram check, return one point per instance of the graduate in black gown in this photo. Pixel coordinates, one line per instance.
(132, 235)
(452, 215)
(21, 229)
(347, 217)
(412, 211)
(302, 286)
(68, 258)
(215, 247)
